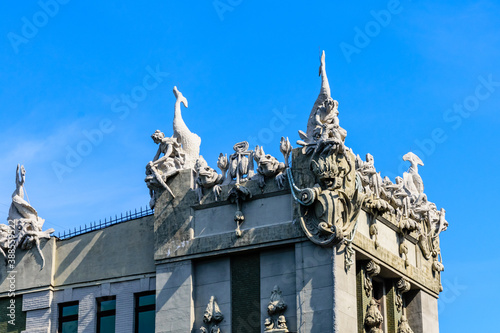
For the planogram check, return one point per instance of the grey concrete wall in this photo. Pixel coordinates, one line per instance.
(184, 227)
(174, 297)
(314, 285)
(277, 267)
(344, 294)
(258, 213)
(28, 270)
(212, 278)
(422, 313)
(120, 250)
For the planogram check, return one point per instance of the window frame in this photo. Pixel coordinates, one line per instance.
(64, 319)
(106, 313)
(144, 308)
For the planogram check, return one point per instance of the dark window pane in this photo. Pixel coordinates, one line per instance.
(147, 300)
(70, 310)
(245, 293)
(70, 327)
(146, 322)
(108, 305)
(107, 324)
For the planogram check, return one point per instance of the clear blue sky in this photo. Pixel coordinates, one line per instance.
(241, 66)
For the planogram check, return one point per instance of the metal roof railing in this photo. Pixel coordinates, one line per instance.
(129, 215)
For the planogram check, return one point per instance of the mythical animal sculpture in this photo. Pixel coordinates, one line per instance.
(267, 166)
(206, 178)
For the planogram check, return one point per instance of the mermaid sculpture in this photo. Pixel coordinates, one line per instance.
(24, 222)
(181, 151)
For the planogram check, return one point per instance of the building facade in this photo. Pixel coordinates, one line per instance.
(317, 243)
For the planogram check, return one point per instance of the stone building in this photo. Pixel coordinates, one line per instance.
(317, 243)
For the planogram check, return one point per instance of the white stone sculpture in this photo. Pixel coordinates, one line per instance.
(267, 167)
(181, 151)
(371, 179)
(207, 178)
(25, 226)
(412, 179)
(323, 120)
(189, 141)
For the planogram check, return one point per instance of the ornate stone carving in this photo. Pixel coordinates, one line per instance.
(403, 326)
(267, 166)
(323, 123)
(180, 151)
(373, 318)
(25, 226)
(237, 195)
(402, 286)
(329, 209)
(189, 141)
(207, 178)
(345, 184)
(276, 321)
(240, 164)
(212, 317)
(372, 269)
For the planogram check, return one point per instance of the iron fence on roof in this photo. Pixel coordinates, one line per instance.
(129, 215)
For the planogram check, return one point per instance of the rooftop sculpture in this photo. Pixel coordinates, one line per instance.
(328, 209)
(181, 151)
(25, 226)
(346, 184)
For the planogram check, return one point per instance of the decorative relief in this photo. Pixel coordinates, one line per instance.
(212, 317)
(403, 326)
(330, 208)
(25, 226)
(371, 270)
(237, 170)
(345, 184)
(276, 321)
(208, 178)
(268, 167)
(174, 153)
(402, 286)
(373, 318)
(237, 195)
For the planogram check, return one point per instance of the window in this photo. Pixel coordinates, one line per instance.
(145, 312)
(245, 293)
(106, 314)
(68, 317)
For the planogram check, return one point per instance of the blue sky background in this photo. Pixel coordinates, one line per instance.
(241, 70)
